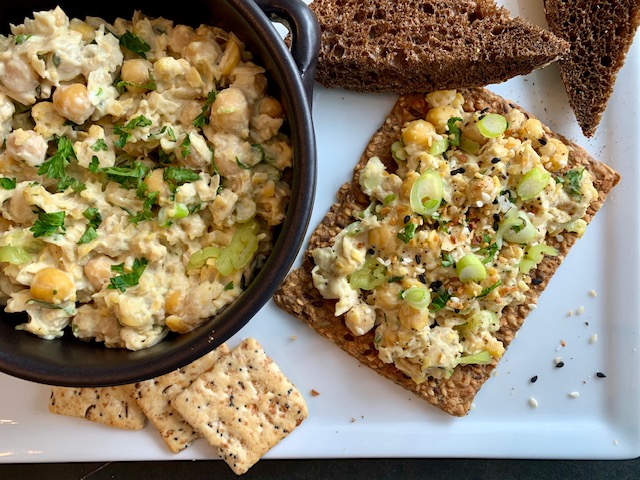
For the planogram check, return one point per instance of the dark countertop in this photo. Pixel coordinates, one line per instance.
(365, 469)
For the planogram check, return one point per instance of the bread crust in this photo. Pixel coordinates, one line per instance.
(600, 33)
(383, 46)
(298, 296)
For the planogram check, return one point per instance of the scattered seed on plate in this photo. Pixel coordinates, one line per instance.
(593, 339)
(534, 379)
(574, 394)
(580, 310)
(600, 375)
(533, 403)
(593, 293)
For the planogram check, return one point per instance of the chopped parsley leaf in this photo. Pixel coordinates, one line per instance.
(129, 176)
(54, 167)
(176, 176)
(454, 131)
(488, 290)
(134, 44)
(147, 206)
(572, 182)
(149, 84)
(21, 38)
(94, 166)
(95, 219)
(203, 118)
(123, 130)
(124, 280)
(8, 183)
(48, 224)
(439, 302)
(229, 286)
(99, 144)
(185, 146)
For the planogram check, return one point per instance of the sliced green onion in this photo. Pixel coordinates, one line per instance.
(470, 269)
(167, 215)
(492, 125)
(484, 320)
(389, 198)
(439, 146)
(14, 255)
(480, 358)
(469, 146)
(398, 152)
(417, 297)
(426, 193)
(369, 276)
(534, 256)
(516, 228)
(532, 183)
(454, 131)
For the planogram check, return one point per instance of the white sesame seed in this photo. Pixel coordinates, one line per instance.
(593, 293)
(557, 360)
(532, 306)
(570, 313)
(615, 442)
(560, 238)
(574, 394)
(593, 338)
(486, 198)
(533, 403)
(580, 310)
(479, 204)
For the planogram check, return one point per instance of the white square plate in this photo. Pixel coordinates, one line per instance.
(360, 414)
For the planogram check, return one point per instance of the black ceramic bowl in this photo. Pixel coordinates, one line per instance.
(70, 362)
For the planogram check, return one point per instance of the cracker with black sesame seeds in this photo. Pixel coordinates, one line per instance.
(298, 296)
(154, 397)
(243, 406)
(112, 406)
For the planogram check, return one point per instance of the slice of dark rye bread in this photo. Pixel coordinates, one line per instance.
(600, 33)
(407, 46)
(298, 296)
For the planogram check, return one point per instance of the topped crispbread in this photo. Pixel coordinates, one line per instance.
(298, 295)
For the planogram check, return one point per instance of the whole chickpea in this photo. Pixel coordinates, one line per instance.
(52, 285)
(136, 71)
(72, 102)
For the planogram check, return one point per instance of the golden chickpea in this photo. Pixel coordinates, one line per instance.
(531, 129)
(418, 132)
(155, 182)
(384, 239)
(52, 285)
(136, 71)
(173, 302)
(179, 37)
(439, 116)
(72, 102)
(270, 106)
(98, 271)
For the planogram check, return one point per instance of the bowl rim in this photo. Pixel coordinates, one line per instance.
(60, 365)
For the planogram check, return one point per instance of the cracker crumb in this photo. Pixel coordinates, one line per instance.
(314, 392)
(593, 339)
(570, 313)
(593, 293)
(533, 403)
(353, 420)
(292, 337)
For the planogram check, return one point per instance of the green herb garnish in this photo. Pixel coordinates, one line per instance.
(176, 176)
(440, 301)
(203, 118)
(48, 224)
(454, 131)
(447, 259)
(406, 234)
(572, 182)
(8, 183)
(95, 219)
(124, 130)
(488, 290)
(134, 44)
(124, 280)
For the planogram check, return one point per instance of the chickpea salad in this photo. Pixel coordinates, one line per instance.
(142, 172)
(452, 236)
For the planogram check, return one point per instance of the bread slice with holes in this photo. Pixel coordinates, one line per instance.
(423, 45)
(600, 33)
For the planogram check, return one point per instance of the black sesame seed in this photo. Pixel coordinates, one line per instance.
(496, 226)
(457, 310)
(407, 218)
(536, 281)
(600, 375)
(445, 156)
(534, 379)
(435, 285)
(457, 171)
(481, 117)
(484, 110)
(418, 259)
(495, 201)
(495, 160)
(559, 364)
(371, 251)
(543, 141)
(512, 105)
(422, 279)
(496, 217)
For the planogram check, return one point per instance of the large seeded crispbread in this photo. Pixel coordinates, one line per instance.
(298, 296)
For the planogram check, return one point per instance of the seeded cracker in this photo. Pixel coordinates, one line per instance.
(154, 397)
(111, 406)
(243, 406)
(298, 296)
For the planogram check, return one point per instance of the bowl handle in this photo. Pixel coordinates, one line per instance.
(303, 25)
